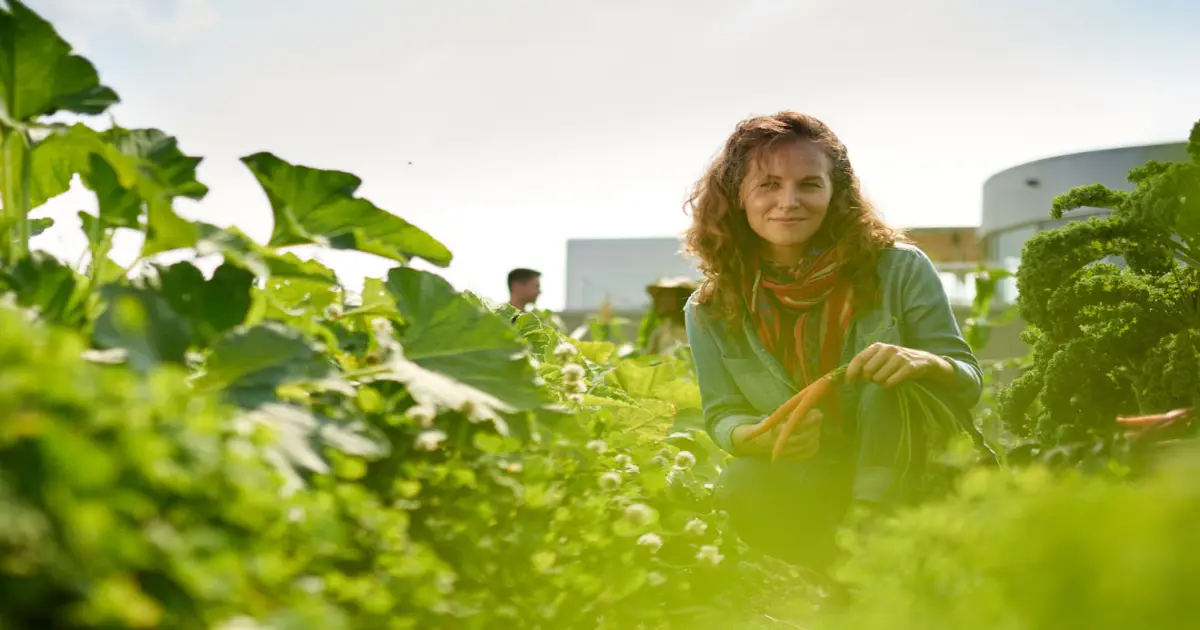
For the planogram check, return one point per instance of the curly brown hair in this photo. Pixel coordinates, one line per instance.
(721, 237)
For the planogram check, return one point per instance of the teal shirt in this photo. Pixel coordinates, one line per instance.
(741, 383)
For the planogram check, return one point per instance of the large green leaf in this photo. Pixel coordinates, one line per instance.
(211, 306)
(375, 301)
(659, 381)
(57, 159)
(118, 206)
(300, 435)
(447, 334)
(147, 162)
(435, 389)
(141, 322)
(250, 363)
(38, 74)
(158, 161)
(46, 285)
(243, 251)
(313, 206)
(37, 226)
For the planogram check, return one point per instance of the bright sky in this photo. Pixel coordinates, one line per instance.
(505, 128)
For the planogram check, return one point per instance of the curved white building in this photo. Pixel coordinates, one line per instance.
(1017, 201)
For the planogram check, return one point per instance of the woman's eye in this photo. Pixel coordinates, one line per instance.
(769, 185)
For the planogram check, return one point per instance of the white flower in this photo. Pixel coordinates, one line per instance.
(296, 514)
(575, 399)
(445, 582)
(311, 584)
(241, 623)
(539, 381)
(659, 461)
(710, 555)
(685, 460)
(422, 415)
(381, 325)
(623, 459)
(639, 514)
(675, 475)
(572, 372)
(654, 578)
(696, 527)
(610, 481)
(632, 469)
(597, 446)
(651, 541)
(578, 387)
(565, 349)
(429, 440)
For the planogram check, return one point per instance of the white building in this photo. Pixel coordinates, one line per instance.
(1017, 201)
(618, 269)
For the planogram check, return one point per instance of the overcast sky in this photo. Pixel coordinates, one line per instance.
(529, 122)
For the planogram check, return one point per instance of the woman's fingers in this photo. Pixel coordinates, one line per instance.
(876, 362)
(805, 441)
(855, 367)
(900, 375)
(893, 364)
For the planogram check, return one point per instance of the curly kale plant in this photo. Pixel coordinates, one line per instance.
(1112, 339)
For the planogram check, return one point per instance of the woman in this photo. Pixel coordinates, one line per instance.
(802, 276)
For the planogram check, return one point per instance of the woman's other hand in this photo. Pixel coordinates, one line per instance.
(891, 365)
(803, 443)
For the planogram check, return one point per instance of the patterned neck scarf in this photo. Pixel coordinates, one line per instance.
(802, 314)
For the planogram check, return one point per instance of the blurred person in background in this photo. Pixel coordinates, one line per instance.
(663, 329)
(524, 287)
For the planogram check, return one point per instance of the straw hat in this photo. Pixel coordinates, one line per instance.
(678, 283)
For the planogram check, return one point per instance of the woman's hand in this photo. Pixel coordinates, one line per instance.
(891, 365)
(803, 443)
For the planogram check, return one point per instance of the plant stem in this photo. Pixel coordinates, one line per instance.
(14, 194)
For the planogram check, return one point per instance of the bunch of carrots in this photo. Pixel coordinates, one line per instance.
(917, 403)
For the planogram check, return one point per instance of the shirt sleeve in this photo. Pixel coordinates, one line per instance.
(930, 325)
(725, 408)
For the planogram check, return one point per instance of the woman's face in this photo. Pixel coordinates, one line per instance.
(786, 194)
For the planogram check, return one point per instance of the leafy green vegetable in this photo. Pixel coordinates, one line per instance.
(143, 324)
(314, 206)
(1097, 325)
(211, 306)
(445, 333)
(38, 74)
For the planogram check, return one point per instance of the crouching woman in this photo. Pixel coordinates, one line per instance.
(803, 276)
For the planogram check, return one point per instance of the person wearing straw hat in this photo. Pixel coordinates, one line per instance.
(668, 297)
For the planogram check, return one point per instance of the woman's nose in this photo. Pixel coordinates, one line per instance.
(791, 196)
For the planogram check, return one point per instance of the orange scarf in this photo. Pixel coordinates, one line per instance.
(802, 315)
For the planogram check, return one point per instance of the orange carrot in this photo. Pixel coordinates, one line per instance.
(815, 392)
(778, 415)
(1155, 419)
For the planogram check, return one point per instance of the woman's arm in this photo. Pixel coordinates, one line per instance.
(725, 408)
(929, 325)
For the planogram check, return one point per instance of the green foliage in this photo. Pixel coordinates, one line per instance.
(319, 207)
(184, 449)
(128, 502)
(1031, 549)
(255, 448)
(1103, 331)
